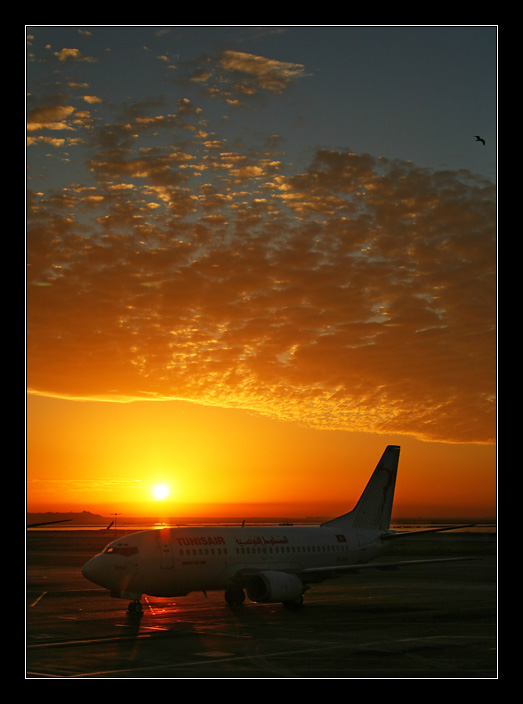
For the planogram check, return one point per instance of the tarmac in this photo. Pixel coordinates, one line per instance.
(423, 622)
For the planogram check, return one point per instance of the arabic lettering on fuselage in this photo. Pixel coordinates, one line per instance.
(262, 540)
(186, 541)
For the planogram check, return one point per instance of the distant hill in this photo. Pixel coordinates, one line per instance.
(79, 518)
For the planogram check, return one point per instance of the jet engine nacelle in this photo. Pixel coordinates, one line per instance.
(270, 586)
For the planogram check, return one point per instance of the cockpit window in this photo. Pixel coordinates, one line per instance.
(125, 550)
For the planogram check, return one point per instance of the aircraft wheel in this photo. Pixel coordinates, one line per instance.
(135, 608)
(296, 604)
(234, 597)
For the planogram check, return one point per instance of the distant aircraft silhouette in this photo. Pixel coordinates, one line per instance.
(480, 139)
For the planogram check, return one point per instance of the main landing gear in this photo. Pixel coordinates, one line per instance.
(234, 596)
(293, 605)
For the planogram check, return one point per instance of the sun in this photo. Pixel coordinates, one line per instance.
(161, 491)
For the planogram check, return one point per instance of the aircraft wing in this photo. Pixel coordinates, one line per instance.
(47, 523)
(318, 574)
(340, 570)
(407, 534)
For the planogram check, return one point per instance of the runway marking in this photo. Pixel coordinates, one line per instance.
(221, 634)
(226, 657)
(150, 606)
(35, 602)
(65, 592)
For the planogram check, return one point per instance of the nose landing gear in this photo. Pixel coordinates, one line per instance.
(135, 608)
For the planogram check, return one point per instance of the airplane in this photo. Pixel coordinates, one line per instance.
(268, 563)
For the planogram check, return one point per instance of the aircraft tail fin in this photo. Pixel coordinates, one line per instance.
(374, 507)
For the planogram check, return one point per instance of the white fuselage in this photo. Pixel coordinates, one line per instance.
(175, 561)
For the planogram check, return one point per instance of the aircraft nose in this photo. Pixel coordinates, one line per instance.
(92, 570)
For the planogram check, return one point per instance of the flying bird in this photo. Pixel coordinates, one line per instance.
(480, 139)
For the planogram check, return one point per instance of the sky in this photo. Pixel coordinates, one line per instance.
(257, 255)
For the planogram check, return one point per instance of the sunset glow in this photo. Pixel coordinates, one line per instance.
(161, 492)
(247, 272)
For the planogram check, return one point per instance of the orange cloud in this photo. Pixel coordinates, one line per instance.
(357, 294)
(52, 117)
(258, 72)
(71, 54)
(235, 76)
